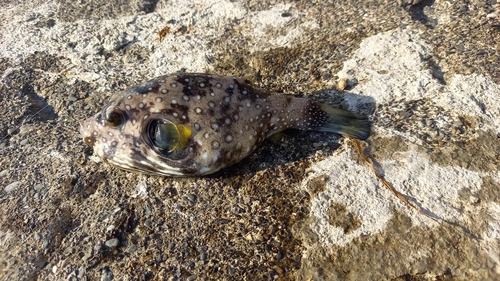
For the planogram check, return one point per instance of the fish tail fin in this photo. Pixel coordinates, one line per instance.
(342, 122)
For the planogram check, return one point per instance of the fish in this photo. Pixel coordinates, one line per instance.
(195, 124)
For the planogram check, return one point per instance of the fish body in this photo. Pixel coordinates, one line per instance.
(190, 124)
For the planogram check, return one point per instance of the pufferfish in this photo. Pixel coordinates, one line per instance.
(193, 124)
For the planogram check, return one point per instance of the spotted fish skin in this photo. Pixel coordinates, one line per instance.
(227, 119)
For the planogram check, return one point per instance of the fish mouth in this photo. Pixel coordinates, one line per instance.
(86, 134)
(151, 166)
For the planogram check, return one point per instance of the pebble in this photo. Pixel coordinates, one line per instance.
(81, 272)
(12, 186)
(491, 16)
(39, 186)
(4, 173)
(147, 212)
(45, 243)
(111, 243)
(191, 197)
(106, 275)
(132, 249)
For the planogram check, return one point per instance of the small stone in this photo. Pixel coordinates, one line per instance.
(81, 272)
(106, 275)
(191, 197)
(132, 249)
(491, 16)
(148, 223)
(147, 212)
(39, 186)
(45, 243)
(342, 84)
(12, 186)
(72, 98)
(23, 142)
(4, 173)
(111, 243)
(192, 278)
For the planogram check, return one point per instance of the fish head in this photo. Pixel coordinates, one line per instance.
(134, 132)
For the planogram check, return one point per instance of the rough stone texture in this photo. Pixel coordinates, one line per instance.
(305, 208)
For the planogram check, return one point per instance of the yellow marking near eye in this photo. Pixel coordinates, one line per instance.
(167, 135)
(183, 132)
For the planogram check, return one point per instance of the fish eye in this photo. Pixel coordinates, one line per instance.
(114, 119)
(168, 137)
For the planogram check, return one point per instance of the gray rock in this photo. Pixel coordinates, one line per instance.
(12, 186)
(111, 243)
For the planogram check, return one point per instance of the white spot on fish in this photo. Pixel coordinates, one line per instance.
(215, 144)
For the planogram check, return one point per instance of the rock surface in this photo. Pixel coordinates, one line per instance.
(306, 208)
